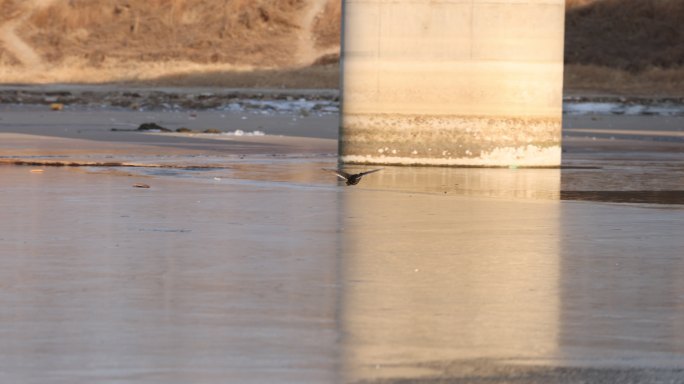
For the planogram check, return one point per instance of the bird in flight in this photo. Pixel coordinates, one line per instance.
(351, 179)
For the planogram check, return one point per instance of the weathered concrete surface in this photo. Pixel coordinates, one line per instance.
(452, 82)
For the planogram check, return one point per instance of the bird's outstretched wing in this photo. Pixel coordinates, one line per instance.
(341, 174)
(371, 171)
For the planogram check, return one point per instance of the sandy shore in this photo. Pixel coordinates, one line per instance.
(109, 135)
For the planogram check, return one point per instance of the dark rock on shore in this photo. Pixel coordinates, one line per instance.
(152, 127)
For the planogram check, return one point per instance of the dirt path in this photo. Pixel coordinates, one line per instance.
(306, 47)
(16, 46)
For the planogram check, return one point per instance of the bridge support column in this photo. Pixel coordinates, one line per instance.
(452, 82)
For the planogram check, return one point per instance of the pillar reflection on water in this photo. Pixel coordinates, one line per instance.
(457, 268)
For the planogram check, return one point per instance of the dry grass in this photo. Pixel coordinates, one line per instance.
(79, 70)
(314, 77)
(180, 41)
(629, 35)
(326, 27)
(242, 32)
(572, 4)
(650, 82)
(625, 46)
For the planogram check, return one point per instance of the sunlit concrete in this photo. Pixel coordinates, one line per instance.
(470, 83)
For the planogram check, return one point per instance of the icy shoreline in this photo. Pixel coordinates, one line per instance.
(623, 106)
(303, 102)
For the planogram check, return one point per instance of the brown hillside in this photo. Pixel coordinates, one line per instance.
(133, 40)
(625, 46)
(248, 32)
(631, 35)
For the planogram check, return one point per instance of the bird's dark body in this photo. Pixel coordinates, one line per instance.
(351, 179)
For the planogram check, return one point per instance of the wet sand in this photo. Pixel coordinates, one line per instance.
(245, 262)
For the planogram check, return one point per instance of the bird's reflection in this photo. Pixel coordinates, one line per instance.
(442, 264)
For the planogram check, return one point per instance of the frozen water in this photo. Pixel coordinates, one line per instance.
(239, 132)
(617, 108)
(299, 106)
(265, 270)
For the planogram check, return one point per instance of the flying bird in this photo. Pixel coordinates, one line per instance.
(351, 179)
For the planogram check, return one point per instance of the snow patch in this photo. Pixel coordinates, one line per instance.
(240, 132)
(579, 108)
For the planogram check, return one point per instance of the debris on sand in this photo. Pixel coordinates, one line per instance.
(184, 130)
(140, 186)
(144, 127)
(152, 127)
(56, 106)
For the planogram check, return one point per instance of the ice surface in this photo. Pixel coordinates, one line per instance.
(619, 108)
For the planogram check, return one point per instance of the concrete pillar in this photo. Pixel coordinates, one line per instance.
(452, 82)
